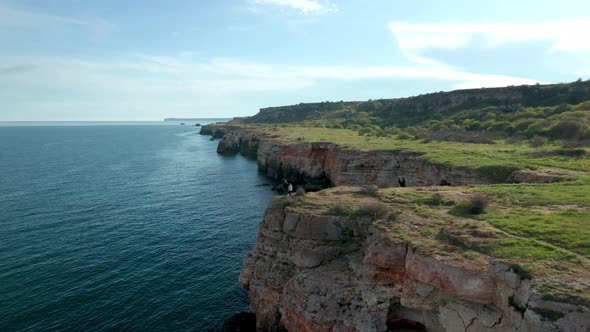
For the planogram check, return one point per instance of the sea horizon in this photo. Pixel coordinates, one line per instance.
(106, 122)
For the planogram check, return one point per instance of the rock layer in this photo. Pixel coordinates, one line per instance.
(326, 164)
(327, 273)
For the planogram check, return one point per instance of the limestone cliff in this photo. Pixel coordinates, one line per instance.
(318, 268)
(326, 164)
(318, 272)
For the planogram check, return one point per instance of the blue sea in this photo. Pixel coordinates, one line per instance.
(122, 227)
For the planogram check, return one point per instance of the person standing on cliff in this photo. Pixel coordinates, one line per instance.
(290, 189)
(401, 181)
(286, 187)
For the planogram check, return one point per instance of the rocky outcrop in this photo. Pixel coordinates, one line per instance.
(310, 272)
(326, 164)
(327, 273)
(213, 131)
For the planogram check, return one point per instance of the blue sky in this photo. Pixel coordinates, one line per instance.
(147, 60)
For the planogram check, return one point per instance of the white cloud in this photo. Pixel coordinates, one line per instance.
(461, 79)
(149, 86)
(305, 6)
(419, 43)
(566, 35)
(172, 77)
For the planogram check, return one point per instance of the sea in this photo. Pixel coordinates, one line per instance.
(123, 226)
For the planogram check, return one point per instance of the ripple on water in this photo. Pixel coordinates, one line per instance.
(122, 227)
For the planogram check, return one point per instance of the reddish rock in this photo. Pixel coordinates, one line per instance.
(302, 276)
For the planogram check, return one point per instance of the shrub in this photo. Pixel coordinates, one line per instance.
(393, 216)
(405, 136)
(566, 129)
(521, 272)
(339, 210)
(370, 190)
(475, 204)
(437, 200)
(549, 314)
(375, 211)
(300, 191)
(538, 141)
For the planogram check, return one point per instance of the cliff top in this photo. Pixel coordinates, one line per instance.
(524, 134)
(495, 160)
(541, 230)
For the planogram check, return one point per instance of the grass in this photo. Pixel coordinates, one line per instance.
(567, 193)
(529, 249)
(542, 228)
(568, 229)
(493, 160)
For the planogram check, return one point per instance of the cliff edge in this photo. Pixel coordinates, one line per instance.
(345, 259)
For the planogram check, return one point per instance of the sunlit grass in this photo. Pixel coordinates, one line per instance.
(458, 154)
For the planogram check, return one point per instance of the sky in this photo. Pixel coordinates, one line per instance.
(91, 60)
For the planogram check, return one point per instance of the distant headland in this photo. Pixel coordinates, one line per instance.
(196, 119)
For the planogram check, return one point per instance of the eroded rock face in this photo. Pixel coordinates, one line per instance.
(326, 273)
(326, 164)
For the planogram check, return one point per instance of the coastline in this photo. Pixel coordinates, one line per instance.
(284, 240)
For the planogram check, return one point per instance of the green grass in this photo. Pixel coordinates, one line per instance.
(569, 229)
(501, 158)
(567, 193)
(529, 249)
(545, 228)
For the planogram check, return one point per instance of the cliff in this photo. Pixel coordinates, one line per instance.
(317, 268)
(433, 106)
(327, 164)
(351, 259)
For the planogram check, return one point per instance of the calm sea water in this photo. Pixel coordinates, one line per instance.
(127, 227)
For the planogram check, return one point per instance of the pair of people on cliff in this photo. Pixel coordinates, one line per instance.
(287, 187)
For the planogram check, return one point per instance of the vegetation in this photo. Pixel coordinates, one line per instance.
(541, 230)
(495, 161)
(539, 113)
(370, 190)
(475, 204)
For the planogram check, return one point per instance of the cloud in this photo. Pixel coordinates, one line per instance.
(27, 19)
(459, 79)
(304, 6)
(174, 77)
(419, 44)
(564, 36)
(148, 86)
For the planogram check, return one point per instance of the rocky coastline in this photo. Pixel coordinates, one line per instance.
(314, 272)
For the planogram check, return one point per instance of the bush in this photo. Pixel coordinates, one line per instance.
(375, 211)
(475, 204)
(437, 200)
(538, 141)
(300, 191)
(339, 210)
(566, 129)
(370, 190)
(393, 216)
(404, 136)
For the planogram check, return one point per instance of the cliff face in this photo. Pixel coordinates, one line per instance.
(320, 272)
(328, 273)
(326, 164)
